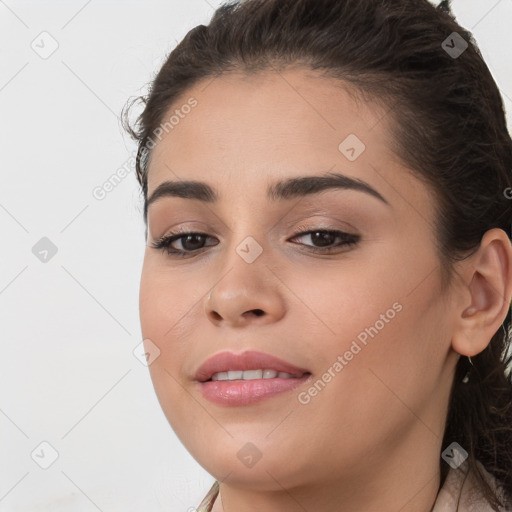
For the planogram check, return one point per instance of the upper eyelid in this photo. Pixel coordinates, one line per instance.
(288, 225)
(301, 230)
(307, 210)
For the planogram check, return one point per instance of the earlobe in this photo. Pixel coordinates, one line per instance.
(489, 277)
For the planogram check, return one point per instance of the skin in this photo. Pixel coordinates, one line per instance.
(371, 439)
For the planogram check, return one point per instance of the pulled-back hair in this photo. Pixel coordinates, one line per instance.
(447, 125)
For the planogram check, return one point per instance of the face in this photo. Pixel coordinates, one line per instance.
(354, 298)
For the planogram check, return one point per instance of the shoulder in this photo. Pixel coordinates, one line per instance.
(207, 502)
(461, 492)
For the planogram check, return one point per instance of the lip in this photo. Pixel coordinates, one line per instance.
(246, 392)
(248, 360)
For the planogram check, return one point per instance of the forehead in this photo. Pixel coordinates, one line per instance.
(269, 122)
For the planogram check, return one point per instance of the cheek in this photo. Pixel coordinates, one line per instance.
(169, 302)
(168, 310)
(393, 356)
(338, 302)
(379, 328)
(376, 373)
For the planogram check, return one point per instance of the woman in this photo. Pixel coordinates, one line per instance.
(327, 280)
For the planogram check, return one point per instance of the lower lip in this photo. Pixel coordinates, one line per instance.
(246, 392)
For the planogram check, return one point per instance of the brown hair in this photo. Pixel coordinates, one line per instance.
(448, 126)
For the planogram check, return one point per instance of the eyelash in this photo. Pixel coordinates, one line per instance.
(164, 243)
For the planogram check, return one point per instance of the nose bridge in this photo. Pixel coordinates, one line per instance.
(245, 284)
(249, 237)
(244, 256)
(246, 230)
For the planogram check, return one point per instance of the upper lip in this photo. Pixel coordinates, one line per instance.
(248, 360)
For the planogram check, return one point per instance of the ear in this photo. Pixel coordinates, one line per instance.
(485, 299)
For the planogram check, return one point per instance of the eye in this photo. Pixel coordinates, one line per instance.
(324, 238)
(192, 242)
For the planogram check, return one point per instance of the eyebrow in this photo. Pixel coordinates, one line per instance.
(280, 190)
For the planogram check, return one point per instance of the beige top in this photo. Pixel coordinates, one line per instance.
(464, 492)
(458, 494)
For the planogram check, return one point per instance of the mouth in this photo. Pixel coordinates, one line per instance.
(231, 379)
(244, 392)
(246, 375)
(247, 366)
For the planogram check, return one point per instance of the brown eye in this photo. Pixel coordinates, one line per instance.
(322, 239)
(191, 242)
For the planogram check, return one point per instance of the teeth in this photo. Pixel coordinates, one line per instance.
(251, 375)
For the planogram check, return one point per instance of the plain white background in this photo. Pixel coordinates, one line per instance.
(70, 324)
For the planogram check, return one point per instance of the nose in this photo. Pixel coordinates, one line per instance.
(246, 293)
